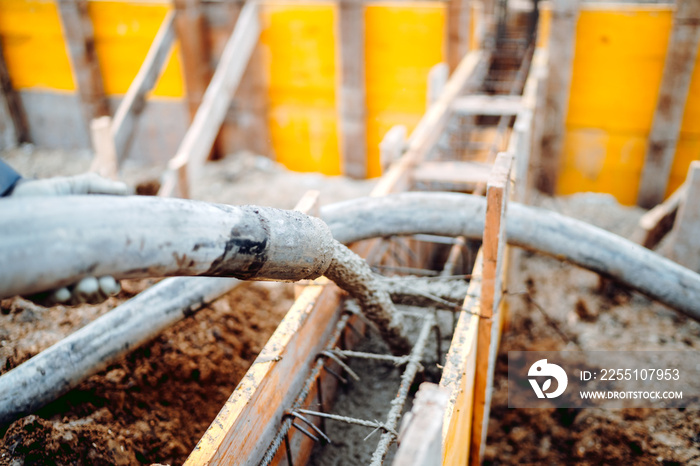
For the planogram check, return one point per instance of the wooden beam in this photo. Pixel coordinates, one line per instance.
(420, 439)
(655, 224)
(350, 47)
(13, 124)
(459, 372)
(562, 36)
(494, 243)
(675, 83)
(134, 101)
(200, 136)
(490, 105)
(686, 241)
(80, 38)
(458, 31)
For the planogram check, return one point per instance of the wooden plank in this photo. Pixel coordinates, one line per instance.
(80, 39)
(686, 242)
(352, 124)
(655, 224)
(13, 123)
(200, 136)
(491, 293)
(431, 126)
(463, 174)
(534, 99)
(134, 101)
(420, 439)
(247, 423)
(675, 83)
(564, 17)
(458, 31)
(519, 146)
(490, 105)
(458, 375)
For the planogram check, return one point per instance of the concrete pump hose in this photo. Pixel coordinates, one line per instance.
(58, 241)
(531, 228)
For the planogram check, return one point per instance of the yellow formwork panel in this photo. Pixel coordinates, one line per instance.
(298, 44)
(402, 43)
(36, 52)
(33, 45)
(124, 31)
(618, 65)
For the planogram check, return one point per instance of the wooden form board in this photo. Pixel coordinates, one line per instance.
(685, 247)
(200, 136)
(490, 322)
(80, 40)
(458, 375)
(463, 175)
(489, 105)
(665, 130)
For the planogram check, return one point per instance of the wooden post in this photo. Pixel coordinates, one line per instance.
(392, 146)
(491, 282)
(200, 137)
(350, 47)
(77, 29)
(437, 79)
(105, 162)
(561, 55)
(686, 241)
(13, 126)
(675, 83)
(458, 31)
(420, 439)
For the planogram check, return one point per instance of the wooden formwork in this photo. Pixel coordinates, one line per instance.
(245, 427)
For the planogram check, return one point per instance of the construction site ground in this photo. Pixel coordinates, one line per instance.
(154, 405)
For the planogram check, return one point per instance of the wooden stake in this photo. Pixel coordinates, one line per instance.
(437, 79)
(655, 224)
(675, 83)
(561, 54)
(494, 242)
(686, 241)
(77, 29)
(350, 48)
(105, 162)
(392, 146)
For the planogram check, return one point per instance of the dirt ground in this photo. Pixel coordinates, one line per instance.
(564, 308)
(155, 404)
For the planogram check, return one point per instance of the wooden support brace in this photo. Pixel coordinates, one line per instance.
(13, 124)
(78, 31)
(200, 136)
(655, 224)
(464, 175)
(490, 105)
(350, 48)
(420, 439)
(494, 242)
(562, 38)
(686, 240)
(458, 31)
(134, 101)
(675, 83)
